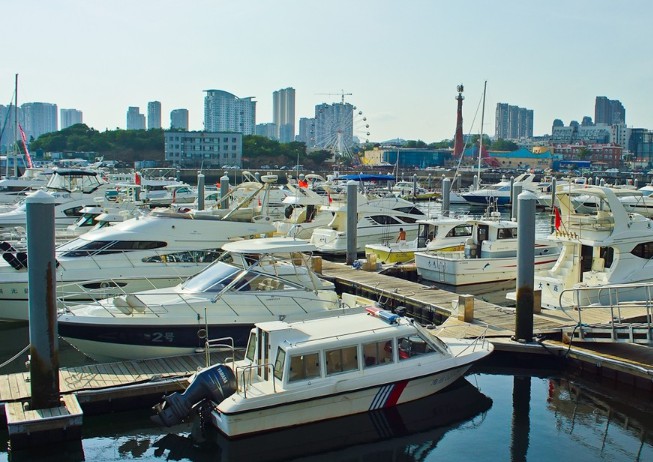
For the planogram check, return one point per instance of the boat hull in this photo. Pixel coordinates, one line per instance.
(458, 271)
(335, 404)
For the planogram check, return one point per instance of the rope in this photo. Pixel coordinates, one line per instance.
(15, 356)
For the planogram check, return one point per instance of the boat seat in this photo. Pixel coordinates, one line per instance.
(598, 264)
(269, 284)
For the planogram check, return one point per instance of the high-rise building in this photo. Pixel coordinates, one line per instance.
(153, 115)
(513, 122)
(135, 120)
(334, 126)
(179, 119)
(268, 130)
(38, 118)
(609, 112)
(225, 112)
(307, 131)
(70, 117)
(283, 106)
(9, 135)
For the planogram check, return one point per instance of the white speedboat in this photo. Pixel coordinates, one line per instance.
(72, 189)
(500, 194)
(379, 219)
(489, 255)
(253, 281)
(607, 247)
(157, 250)
(439, 233)
(303, 372)
(14, 189)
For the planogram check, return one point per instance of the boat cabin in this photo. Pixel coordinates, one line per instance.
(330, 349)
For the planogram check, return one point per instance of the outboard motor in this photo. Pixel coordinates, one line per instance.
(215, 383)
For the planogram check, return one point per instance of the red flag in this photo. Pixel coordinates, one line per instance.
(24, 137)
(558, 218)
(303, 184)
(137, 178)
(329, 196)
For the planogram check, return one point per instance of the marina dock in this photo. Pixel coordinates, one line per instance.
(107, 387)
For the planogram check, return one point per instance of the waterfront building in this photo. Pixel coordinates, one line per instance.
(179, 119)
(135, 120)
(225, 112)
(600, 155)
(522, 159)
(640, 144)
(307, 131)
(609, 112)
(513, 122)
(283, 106)
(268, 130)
(70, 117)
(153, 115)
(407, 157)
(576, 133)
(202, 149)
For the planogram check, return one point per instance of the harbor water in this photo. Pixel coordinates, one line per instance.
(505, 409)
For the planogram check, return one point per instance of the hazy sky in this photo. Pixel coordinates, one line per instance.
(401, 60)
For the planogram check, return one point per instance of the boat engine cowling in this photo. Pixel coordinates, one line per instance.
(214, 383)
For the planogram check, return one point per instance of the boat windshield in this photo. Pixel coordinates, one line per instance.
(213, 279)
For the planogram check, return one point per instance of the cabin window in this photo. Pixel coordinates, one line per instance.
(643, 250)
(94, 248)
(74, 211)
(304, 367)
(507, 233)
(410, 210)
(458, 231)
(377, 353)
(189, 256)
(412, 346)
(278, 363)
(251, 346)
(384, 219)
(342, 360)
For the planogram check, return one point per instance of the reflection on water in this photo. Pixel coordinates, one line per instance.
(491, 415)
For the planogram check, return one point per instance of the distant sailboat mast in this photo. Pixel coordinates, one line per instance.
(15, 133)
(480, 141)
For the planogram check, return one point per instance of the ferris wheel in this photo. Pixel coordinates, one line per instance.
(343, 129)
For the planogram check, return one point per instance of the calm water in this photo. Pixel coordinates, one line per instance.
(500, 412)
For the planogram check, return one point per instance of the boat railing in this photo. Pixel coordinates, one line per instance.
(616, 298)
(219, 344)
(479, 340)
(245, 376)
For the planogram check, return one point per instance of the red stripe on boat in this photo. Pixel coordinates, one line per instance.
(396, 392)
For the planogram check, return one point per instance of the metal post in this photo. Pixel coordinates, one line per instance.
(429, 181)
(602, 182)
(200, 191)
(257, 175)
(446, 197)
(516, 191)
(525, 267)
(42, 294)
(475, 182)
(414, 186)
(554, 186)
(636, 183)
(352, 220)
(224, 191)
(137, 193)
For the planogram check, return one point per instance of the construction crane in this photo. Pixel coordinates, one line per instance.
(342, 94)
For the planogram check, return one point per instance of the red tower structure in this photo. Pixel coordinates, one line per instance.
(458, 139)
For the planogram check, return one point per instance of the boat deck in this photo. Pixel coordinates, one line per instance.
(97, 382)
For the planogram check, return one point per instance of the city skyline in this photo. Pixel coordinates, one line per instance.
(401, 62)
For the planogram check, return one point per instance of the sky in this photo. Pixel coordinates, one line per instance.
(400, 60)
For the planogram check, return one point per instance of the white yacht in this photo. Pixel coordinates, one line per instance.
(298, 373)
(489, 255)
(255, 280)
(606, 247)
(500, 194)
(157, 250)
(439, 233)
(72, 189)
(14, 189)
(379, 219)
